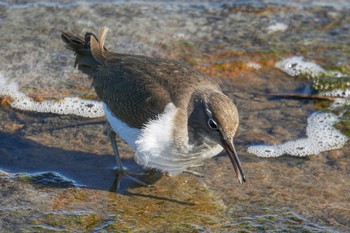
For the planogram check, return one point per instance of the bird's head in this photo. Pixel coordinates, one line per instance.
(215, 118)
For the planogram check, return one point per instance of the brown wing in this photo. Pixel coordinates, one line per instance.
(137, 88)
(132, 94)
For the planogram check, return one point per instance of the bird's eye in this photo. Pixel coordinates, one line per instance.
(212, 124)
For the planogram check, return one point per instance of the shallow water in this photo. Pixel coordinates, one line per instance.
(58, 170)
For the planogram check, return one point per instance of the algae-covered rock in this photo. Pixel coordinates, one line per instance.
(329, 83)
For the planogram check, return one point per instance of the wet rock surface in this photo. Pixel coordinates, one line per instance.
(57, 171)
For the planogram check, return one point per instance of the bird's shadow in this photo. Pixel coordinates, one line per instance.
(59, 168)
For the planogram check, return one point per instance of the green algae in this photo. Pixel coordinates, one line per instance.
(328, 83)
(71, 221)
(135, 212)
(344, 127)
(88, 96)
(344, 69)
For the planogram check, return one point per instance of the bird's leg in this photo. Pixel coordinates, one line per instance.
(120, 169)
(111, 135)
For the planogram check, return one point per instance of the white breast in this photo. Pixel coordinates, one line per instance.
(155, 147)
(156, 140)
(154, 143)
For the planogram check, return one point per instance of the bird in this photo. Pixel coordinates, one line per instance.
(173, 116)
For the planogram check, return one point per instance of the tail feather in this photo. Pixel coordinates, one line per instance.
(90, 51)
(97, 45)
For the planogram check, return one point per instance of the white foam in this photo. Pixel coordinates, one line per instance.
(321, 136)
(295, 66)
(342, 93)
(66, 106)
(9, 88)
(340, 103)
(277, 27)
(343, 97)
(254, 65)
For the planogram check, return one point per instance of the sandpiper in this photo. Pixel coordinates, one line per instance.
(172, 115)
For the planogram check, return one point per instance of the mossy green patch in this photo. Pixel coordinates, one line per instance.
(74, 221)
(328, 83)
(344, 127)
(344, 69)
(88, 96)
(322, 104)
(22, 177)
(271, 217)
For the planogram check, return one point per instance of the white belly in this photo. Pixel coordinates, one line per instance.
(128, 134)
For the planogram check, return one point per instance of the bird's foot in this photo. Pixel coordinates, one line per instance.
(194, 173)
(121, 173)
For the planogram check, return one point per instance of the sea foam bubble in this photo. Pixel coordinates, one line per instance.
(65, 106)
(295, 66)
(321, 136)
(277, 27)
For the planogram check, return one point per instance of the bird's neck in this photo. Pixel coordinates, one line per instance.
(197, 119)
(190, 120)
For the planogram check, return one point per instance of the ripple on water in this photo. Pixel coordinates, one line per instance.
(46, 179)
(275, 221)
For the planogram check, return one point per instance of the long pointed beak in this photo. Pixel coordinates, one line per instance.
(231, 151)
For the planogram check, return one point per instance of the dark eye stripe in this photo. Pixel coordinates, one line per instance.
(212, 124)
